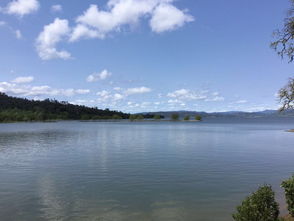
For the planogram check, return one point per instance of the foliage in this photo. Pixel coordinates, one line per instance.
(140, 117)
(157, 117)
(116, 117)
(132, 117)
(284, 44)
(187, 118)
(136, 117)
(259, 206)
(286, 95)
(19, 109)
(288, 186)
(198, 117)
(175, 116)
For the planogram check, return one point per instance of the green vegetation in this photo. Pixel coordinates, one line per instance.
(288, 186)
(187, 118)
(134, 117)
(175, 117)
(140, 117)
(14, 109)
(260, 206)
(197, 117)
(157, 117)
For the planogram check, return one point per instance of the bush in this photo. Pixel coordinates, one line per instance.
(133, 117)
(187, 118)
(197, 117)
(288, 186)
(259, 206)
(157, 117)
(116, 117)
(175, 117)
(140, 117)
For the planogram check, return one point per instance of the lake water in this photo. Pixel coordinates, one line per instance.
(148, 171)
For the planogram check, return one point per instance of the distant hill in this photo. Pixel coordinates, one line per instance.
(20, 109)
(229, 114)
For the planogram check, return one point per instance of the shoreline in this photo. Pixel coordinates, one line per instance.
(106, 120)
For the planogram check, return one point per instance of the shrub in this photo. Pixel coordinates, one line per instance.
(116, 117)
(157, 117)
(259, 206)
(175, 117)
(187, 118)
(140, 117)
(133, 117)
(197, 117)
(288, 186)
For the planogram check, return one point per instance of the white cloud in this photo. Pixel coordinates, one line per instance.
(167, 17)
(137, 90)
(118, 96)
(103, 93)
(2, 23)
(108, 97)
(217, 98)
(49, 37)
(23, 80)
(82, 91)
(82, 31)
(18, 34)
(184, 94)
(241, 101)
(113, 97)
(18, 87)
(181, 95)
(22, 7)
(56, 8)
(99, 76)
(97, 23)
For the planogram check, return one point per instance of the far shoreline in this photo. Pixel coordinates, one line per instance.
(101, 120)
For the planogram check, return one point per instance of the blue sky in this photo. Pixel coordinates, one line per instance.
(144, 55)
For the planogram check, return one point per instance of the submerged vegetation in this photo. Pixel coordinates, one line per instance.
(20, 109)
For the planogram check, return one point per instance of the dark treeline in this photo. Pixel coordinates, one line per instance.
(20, 109)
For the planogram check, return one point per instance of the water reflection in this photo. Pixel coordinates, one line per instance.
(140, 171)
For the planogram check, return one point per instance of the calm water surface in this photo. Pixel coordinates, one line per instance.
(121, 171)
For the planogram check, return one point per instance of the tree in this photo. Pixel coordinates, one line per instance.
(187, 118)
(197, 117)
(175, 116)
(286, 95)
(259, 206)
(132, 117)
(288, 186)
(116, 117)
(157, 117)
(284, 44)
(140, 117)
(20, 109)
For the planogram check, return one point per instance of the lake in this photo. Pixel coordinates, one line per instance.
(139, 171)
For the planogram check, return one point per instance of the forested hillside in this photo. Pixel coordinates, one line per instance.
(20, 109)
